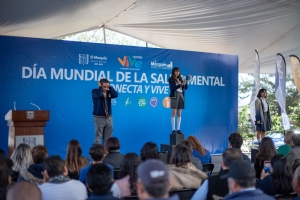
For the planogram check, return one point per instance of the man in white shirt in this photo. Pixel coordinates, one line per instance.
(57, 183)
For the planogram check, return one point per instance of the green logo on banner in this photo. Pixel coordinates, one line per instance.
(142, 102)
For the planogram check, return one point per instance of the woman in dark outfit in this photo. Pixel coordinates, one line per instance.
(279, 180)
(266, 152)
(262, 115)
(177, 88)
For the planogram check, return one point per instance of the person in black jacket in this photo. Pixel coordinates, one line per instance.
(215, 185)
(113, 158)
(102, 110)
(177, 88)
(266, 152)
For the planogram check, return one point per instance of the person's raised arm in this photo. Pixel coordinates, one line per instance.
(97, 93)
(113, 93)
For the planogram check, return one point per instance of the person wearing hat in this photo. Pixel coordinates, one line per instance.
(214, 185)
(241, 182)
(153, 181)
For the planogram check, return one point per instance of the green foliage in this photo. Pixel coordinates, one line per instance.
(246, 128)
(292, 99)
(295, 116)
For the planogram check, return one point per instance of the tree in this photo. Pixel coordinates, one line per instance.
(267, 81)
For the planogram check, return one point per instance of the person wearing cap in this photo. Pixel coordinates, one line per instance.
(153, 181)
(214, 185)
(241, 182)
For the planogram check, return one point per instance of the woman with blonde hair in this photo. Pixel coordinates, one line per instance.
(22, 159)
(285, 149)
(199, 151)
(74, 160)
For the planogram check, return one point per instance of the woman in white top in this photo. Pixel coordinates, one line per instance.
(262, 115)
(177, 88)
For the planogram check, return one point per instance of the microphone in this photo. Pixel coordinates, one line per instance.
(35, 105)
(188, 78)
(15, 106)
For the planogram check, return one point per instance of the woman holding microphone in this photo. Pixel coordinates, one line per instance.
(177, 88)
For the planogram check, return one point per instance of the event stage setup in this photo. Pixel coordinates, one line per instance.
(59, 76)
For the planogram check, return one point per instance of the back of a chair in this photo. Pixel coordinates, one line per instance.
(131, 198)
(184, 194)
(286, 197)
(116, 174)
(208, 168)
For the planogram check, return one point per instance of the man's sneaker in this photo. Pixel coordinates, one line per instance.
(174, 132)
(179, 132)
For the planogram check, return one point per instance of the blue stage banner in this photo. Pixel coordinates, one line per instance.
(60, 75)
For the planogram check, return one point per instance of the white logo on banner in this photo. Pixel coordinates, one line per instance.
(83, 59)
(156, 65)
(113, 102)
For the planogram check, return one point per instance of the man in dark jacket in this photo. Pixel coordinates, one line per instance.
(241, 182)
(214, 185)
(102, 110)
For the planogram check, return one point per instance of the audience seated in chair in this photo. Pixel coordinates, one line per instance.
(183, 174)
(5, 176)
(74, 159)
(199, 151)
(279, 179)
(285, 149)
(126, 186)
(293, 156)
(195, 161)
(113, 158)
(22, 159)
(266, 152)
(215, 185)
(24, 191)
(241, 182)
(34, 172)
(149, 151)
(99, 182)
(57, 183)
(97, 153)
(236, 141)
(153, 181)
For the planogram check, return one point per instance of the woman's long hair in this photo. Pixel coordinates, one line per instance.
(74, 159)
(282, 174)
(173, 76)
(129, 164)
(181, 154)
(266, 149)
(21, 157)
(196, 145)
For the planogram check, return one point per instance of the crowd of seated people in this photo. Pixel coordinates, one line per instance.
(146, 176)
